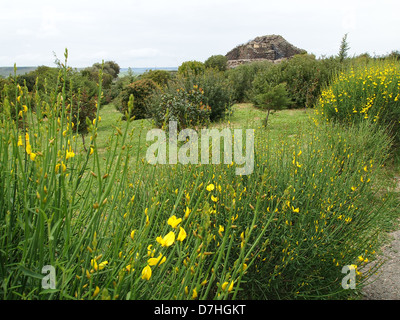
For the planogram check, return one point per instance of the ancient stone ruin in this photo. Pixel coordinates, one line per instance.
(273, 48)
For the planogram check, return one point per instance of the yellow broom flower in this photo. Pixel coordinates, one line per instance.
(181, 234)
(173, 221)
(146, 273)
(154, 261)
(168, 240)
(210, 187)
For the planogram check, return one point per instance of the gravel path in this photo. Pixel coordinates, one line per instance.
(385, 285)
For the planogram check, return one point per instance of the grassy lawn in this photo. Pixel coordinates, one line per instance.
(244, 115)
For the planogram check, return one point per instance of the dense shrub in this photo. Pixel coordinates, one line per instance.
(191, 67)
(83, 110)
(187, 107)
(217, 90)
(364, 92)
(241, 79)
(218, 62)
(110, 70)
(304, 75)
(161, 77)
(118, 228)
(141, 91)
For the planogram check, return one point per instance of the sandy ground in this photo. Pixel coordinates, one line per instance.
(386, 284)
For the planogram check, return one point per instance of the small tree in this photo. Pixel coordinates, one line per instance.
(344, 48)
(141, 91)
(191, 67)
(273, 98)
(218, 62)
(161, 77)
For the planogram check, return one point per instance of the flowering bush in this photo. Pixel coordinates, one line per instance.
(113, 228)
(368, 92)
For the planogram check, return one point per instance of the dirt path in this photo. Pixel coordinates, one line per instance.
(385, 285)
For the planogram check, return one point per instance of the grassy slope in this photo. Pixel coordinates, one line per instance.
(244, 115)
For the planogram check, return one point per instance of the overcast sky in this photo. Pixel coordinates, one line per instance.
(165, 33)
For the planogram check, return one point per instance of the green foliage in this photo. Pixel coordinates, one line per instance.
(142, 90)
(272, 98)
(161, 77)
(83, 110)
(191, 67)
(110, 72)
(343, 50)
(186, 106)
(216, 87)
(304, 76)
(314, 203)
(241, 79)
(368, 92)
(218, 62)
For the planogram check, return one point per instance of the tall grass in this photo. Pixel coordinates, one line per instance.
(115, 227)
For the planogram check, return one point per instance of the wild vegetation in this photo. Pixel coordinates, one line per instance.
(116, 227)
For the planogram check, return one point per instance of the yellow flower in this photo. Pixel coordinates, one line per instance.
(70, 154)
(132, 234)
(26, 137)
(146, 273)
(230, 287)
(220, 230)
(91, 151)
(210, 187)
(181, 234)
(187, 212)
(225, 284)
(94, 121)
(57, 168)
(64, 168)
(154, 261)
(149, 251)
(94, 264)
(215, 199)
(28, 148)
(194, 295)
(168, 240)
(295, 210)
(32, 156)
(129, 268)
(20, 141)
(102, 265)
(173, 221)
(96, 291)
